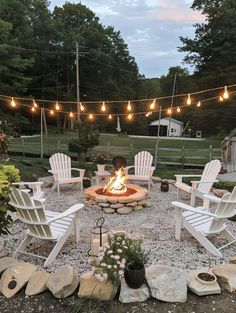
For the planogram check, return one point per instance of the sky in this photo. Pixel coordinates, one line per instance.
(151, 28)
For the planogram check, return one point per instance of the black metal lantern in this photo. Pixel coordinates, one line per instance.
(99, 236)
(164, 186)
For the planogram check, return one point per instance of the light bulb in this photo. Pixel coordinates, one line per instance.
(178, 109)
(225, 94)
(199, 104)
(130, 116)
(51, 112)
(110, 116)
(148, 114)
(221, 98)
(71, 115)
(103, 106)
(129, 108)
(81, 107)
(90, 116)
(153, 104)
(189, 99)
(57, 106)
(13, 104)
(169, 111)
(35, 104)
(33, 109)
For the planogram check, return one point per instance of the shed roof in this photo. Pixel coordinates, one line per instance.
(173, 120)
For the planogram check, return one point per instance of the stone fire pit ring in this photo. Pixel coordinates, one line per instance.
(117, 204)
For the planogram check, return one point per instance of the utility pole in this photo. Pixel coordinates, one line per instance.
(158, 135)
(77, 81)
(172, 100)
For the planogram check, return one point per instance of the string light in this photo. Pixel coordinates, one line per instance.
(51, 112)
(130, 116)
(225, 94)
(35, 104)
(33, 109)
(153, 104)
(110, 116)
(199, 104)
(221, 98)
(148, 114)
(178, 109)
(189, 99)
(169, 111)
(82, 107)
(90, 116)
(129, 108)
(57, 107)
(13, 104)
(71, 115)
(103, 106)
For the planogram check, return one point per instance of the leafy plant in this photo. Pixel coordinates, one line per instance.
(99, 158)
(3, 144)
(136, 257)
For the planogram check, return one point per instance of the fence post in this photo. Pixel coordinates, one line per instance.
(58, 145)
(210, 156)
(23, 147)
(108, 150)
(131, 151)
(182, 157)
(155, 158)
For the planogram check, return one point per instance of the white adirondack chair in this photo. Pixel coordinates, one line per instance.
(143, 168)
(61, 170)
(200, 222)
(200, 187)
(38, 194)
(44, 224)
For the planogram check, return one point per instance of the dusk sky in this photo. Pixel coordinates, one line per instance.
(151, 28)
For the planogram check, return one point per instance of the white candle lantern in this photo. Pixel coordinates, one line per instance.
(99, 236)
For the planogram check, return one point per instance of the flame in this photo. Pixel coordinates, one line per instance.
(116, 184)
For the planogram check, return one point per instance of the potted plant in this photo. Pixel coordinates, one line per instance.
(100, 159)
(136, 258)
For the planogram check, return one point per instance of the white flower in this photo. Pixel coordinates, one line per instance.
(105, 275)
(115, 266)
(103, 264)
(109, 266)
(101, 278)
(125, 247)
(100, 258)
(123, 261)
(121, 273)
(119, 250)
(109, 251)
(106, 245)
(122, 265)
(123, 242)
(112, 256)
(116, 257)
(97, 276)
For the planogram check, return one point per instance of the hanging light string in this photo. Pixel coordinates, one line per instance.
(152, 106)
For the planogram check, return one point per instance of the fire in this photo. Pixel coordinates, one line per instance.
(116, 184)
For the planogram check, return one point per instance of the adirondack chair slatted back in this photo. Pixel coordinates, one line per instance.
(142, 163)
(226, 208)
(210, 173)
(61, 164)
(31, 212)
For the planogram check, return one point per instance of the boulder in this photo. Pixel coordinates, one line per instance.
(232, 260)
(109, 210)
(201, 289)
(37, 283)
(104, 204)
(134, 203)
(63, 282)
(15, 278)
(226, 276)
(6, 262)
(116, 205)
(3, 253)
(138, 208)
(125, 210)
(167, 283)
(128, 295)
(219, 192)
(97, 207)
(91, 287)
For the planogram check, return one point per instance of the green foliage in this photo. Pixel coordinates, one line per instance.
(4, 143)
(99, 158)
(88, 137)
(95, 306)
(8, 174)
(121, 251)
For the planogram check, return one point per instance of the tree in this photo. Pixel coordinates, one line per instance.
(88, 137)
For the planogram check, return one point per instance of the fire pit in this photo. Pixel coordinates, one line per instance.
(116, 196)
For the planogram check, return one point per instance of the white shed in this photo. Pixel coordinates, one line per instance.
(166, 123)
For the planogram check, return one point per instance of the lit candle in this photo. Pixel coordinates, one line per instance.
(95, 246)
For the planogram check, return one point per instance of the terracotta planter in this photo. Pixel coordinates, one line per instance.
(134, 278)
(101, 168)
(206, 278)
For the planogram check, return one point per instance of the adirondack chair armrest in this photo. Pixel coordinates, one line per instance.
(212, 198)
(73, 209)
(53, 172)
(22, 183)
(80, 170)
(152, 169)
(126, 169)
(190, 208)
(204, 181)
(179, 178)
